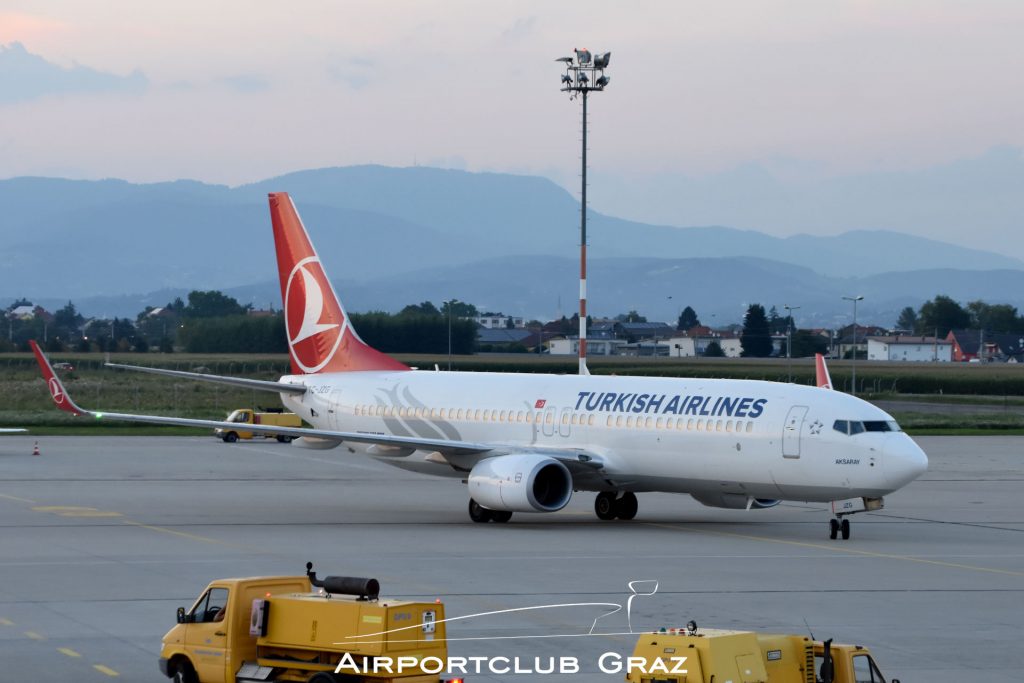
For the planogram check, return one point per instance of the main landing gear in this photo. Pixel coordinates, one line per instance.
(607, 506)
(837, 527)
(482, 515)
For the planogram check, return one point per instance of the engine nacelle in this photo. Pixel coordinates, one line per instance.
(733, 501)
(521, 483)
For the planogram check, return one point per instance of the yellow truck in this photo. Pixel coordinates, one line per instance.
(272, 629)
(245, 416)
(711, 655)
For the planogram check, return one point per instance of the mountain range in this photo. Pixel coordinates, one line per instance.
(393, 236)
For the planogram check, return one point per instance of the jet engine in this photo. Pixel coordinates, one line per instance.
(733, 501)
(521, 483)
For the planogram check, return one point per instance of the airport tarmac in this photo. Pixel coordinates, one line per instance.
(101, 539)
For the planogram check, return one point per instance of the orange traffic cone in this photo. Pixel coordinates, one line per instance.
(35, 449)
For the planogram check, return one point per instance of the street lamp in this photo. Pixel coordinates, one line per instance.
(584, 74)
(854, 299)
(449, 305)
(789, 340)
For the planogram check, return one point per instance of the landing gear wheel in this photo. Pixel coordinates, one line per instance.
(833, 528)
(626, 507)
(230, 437)
(479, 514)
(500, 516)
(844, 528)
(604, 505)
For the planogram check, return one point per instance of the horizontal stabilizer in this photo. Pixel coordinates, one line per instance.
(259, 384)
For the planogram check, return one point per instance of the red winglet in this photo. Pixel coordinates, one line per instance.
(56, 387)
(320, 336)
(821, 370)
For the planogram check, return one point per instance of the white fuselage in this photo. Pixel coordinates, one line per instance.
(757, 439)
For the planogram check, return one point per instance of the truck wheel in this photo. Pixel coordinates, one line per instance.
(230, 437)
(184, 673)
(284, 439)
(478, 513)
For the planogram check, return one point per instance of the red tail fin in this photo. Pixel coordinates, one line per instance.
(320, 337)
(821, 370)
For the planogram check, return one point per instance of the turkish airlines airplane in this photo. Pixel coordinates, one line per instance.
(527, 442)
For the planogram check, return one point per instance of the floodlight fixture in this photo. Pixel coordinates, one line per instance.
(582, 78)
(583, 56)
(603, 81)
(567, 79)
(601, 60)
(567, 60)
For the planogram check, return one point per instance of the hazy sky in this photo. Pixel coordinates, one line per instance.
(718, 112)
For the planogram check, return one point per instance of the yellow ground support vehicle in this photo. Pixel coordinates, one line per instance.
(274, 629)
(713, 655)
(245, 416)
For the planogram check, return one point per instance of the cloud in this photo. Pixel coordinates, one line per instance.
(25, 76)
(354, 72)
(246, 83)
(519, 30)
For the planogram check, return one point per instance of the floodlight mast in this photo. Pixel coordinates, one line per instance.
(584, 74)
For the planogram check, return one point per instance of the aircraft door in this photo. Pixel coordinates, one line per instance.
(550, 417)
(791, 431)
(563, 422)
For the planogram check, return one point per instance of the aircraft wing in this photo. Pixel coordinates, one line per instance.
(462, 454)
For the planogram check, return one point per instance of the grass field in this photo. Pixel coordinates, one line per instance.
(25, 400)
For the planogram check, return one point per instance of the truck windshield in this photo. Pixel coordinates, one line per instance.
(865, 671)
(210, 607)
(237, 416)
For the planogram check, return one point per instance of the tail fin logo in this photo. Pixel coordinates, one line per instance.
(314, 330)
(56, 391)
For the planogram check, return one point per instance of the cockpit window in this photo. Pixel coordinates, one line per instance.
(881, 426)
(852, 427)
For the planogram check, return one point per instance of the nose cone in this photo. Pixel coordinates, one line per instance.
(904, 461)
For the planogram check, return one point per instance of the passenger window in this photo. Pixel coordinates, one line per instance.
(660, 424)
(590, 420)
(689, 424)
(728, 426)
(476, 415)
(608, 422)
(459, 414)
(504, 415)
(700, 425)
(750, 427)
(649, 422)
(718, 426)
(618, 421)
(565, 418)
(487, 415)
(629, 421)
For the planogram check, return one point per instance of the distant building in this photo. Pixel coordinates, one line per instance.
(494, 321)
(502, 337)
(907, 348)
(570, 346)
(1002, 346)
